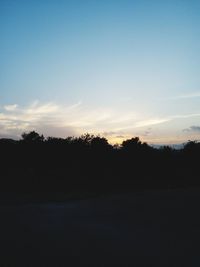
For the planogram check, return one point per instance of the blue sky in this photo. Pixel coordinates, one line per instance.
(117, 68)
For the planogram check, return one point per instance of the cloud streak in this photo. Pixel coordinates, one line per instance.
(193, 128)
(186, 96)
(52, 119)
(14, 119)
(10, 107)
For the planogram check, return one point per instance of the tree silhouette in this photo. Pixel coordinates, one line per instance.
(32, 137)
(90, 163)
(100, 143)
(131, 144)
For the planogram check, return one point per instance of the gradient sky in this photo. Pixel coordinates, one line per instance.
(118, 68)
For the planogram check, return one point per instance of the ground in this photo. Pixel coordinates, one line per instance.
(139, 229)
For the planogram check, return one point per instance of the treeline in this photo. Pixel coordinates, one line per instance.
(90, 164)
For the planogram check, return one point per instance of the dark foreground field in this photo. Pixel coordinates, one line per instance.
(139, 229)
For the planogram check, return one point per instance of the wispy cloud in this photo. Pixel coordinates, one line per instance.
(192, 129)
(187, 95)
(185, 116)
(37, 109)
(49, 116)
(52, 119)
(11, 107)
(150, 122)
(141, 124)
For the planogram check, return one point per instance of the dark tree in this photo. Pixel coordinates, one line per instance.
(32, 137)
(131, 144)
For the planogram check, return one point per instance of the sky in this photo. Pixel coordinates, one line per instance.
(118, 68)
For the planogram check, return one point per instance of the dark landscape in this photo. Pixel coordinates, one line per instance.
(36, 166)
(82, 202)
